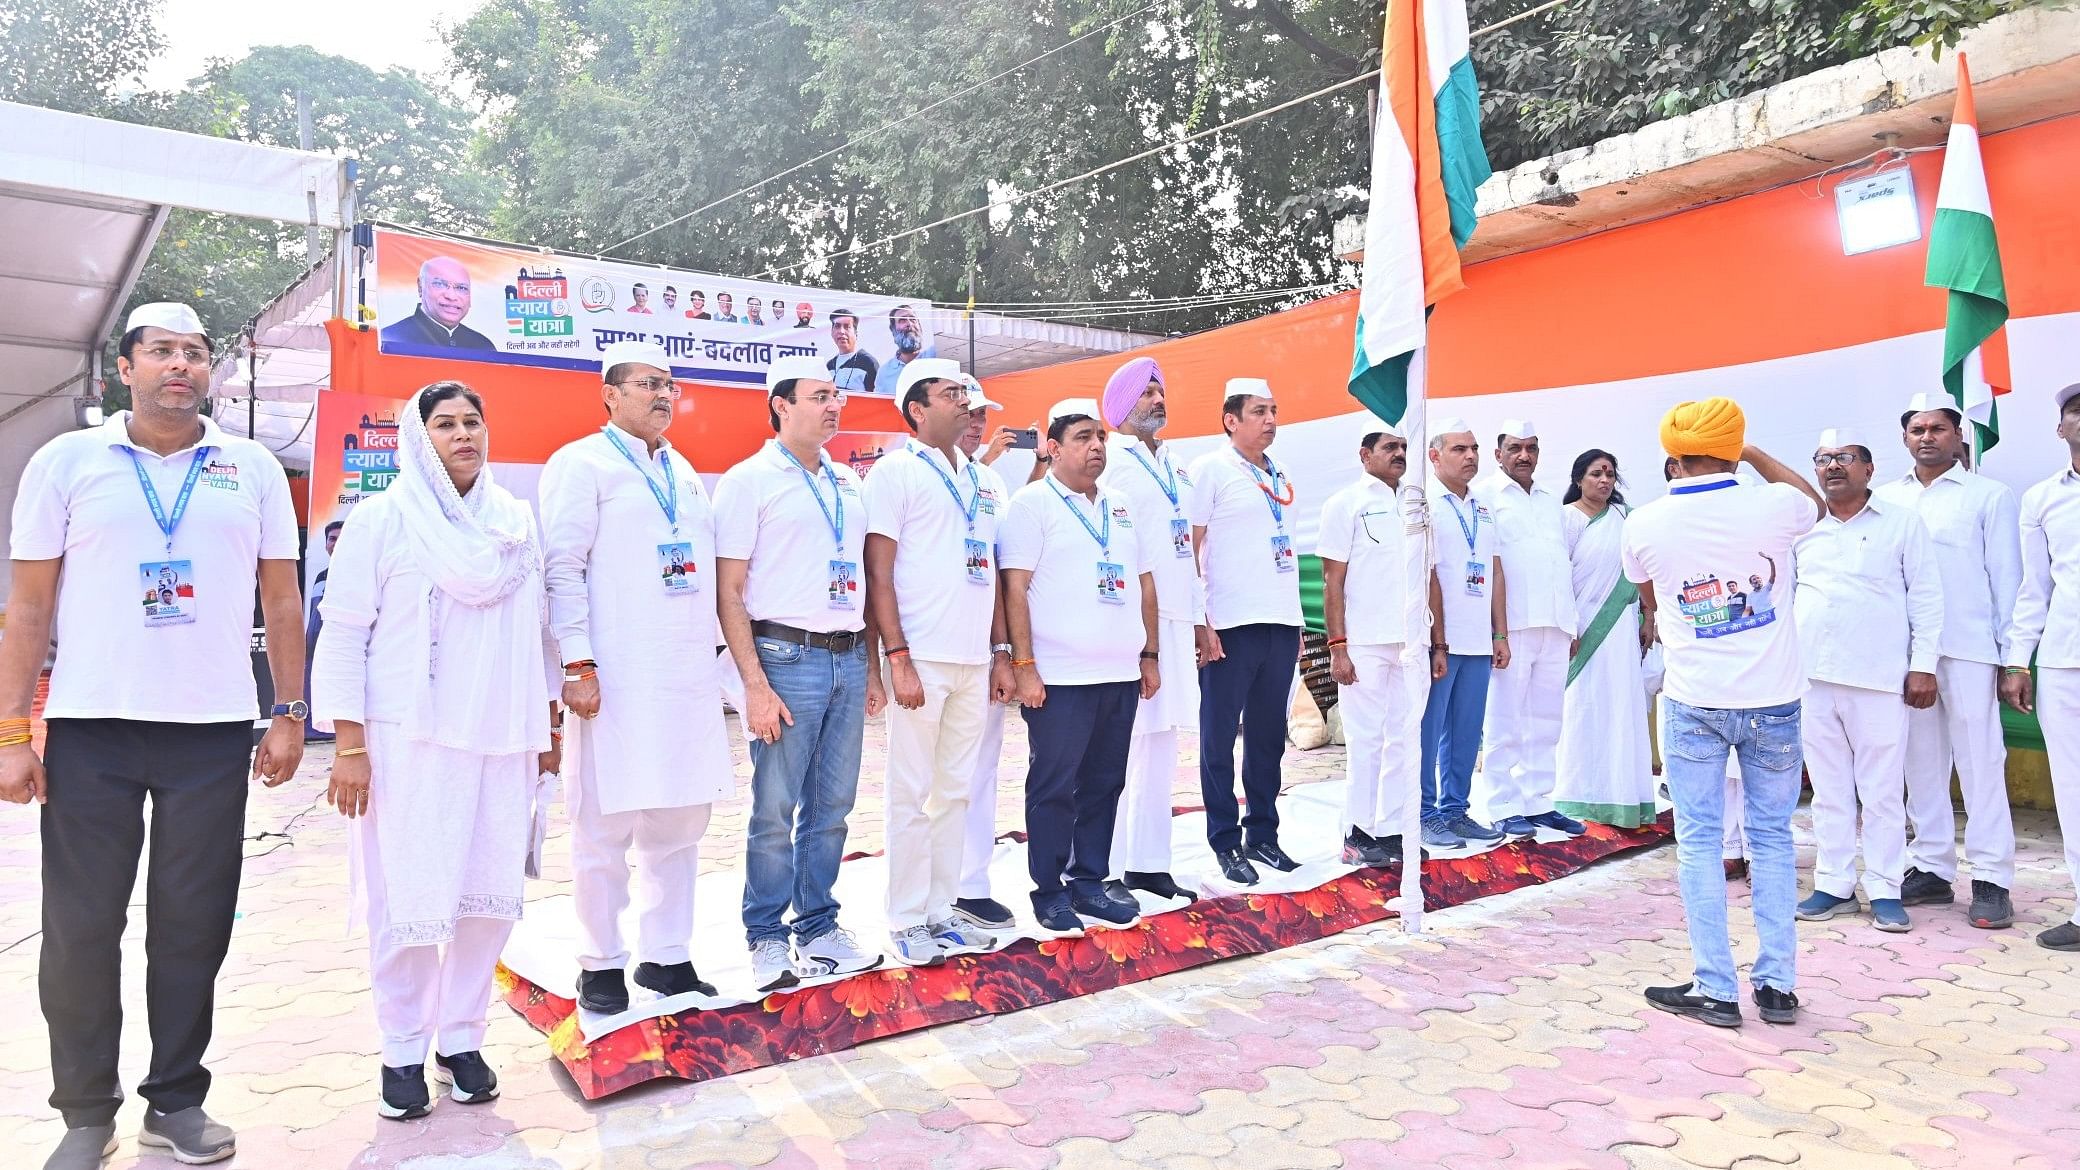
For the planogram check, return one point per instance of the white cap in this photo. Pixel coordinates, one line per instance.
(1256, 386)
(1394, 429)
(926, 370)
(2060, 397)
(1068, 407)
(640, 353)
(1924, 401)
(1838, 437)
(171, 316)
(1450, 425)
(789, 369)
(977, 398)
(1518, 428)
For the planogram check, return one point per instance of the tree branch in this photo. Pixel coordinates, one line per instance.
(1287, 25)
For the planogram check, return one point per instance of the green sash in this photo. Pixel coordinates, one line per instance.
(1622, 595)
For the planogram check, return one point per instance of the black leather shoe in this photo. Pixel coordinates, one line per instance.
(1236, 868)
(404, 1093)
(1922, 888)
(1776, 1007)
(1391, 846)
(671, 979)
(1117, 890)
(1162, 885)
(1270, 854)
(605, 992)
(1682, 1001)
(470, 1080)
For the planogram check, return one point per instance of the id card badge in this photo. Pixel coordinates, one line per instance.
(169, 592)
(843, 585)
(1476, 579)
(977, 556)
(1112, 583)
(675, 566)
(1282, 553)
(1181, 537)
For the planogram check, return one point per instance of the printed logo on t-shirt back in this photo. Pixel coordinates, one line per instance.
(1717, 605)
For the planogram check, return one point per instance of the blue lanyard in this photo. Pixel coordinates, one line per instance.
(1102, 535)
(974, 481)
(837, 522)
(1169, 485)
(1470, 532)
(1691, 489)
(167, 524)
(667, 496)
(1278, 512)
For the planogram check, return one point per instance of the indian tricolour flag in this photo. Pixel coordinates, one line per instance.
(1964, 256)
(1427, 162)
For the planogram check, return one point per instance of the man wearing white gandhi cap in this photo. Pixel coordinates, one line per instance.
(629, 549)
(138, 544)
(1869, 614)
(1525, 701)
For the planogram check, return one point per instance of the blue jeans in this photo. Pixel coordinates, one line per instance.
(1452, 735)
(802, 788)
(1694, 746)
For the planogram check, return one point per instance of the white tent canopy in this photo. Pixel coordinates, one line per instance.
(81, 204)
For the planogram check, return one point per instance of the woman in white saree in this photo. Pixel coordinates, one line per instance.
(1606, 763)
(431, 670)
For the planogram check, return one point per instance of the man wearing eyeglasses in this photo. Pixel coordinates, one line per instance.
(638, 649)
(790, 534)
(1869, 606)
(444, 300)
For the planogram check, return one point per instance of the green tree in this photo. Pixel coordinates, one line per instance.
(76, 55)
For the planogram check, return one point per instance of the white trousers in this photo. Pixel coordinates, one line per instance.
(979, 839)
(931, 771)
(1521, 746)
(432, 995)
(2058, 710)
(1963, 729)
(1141, 827)
(1855, 751)
(666, 846)
(1382, 734)
(1732, 844)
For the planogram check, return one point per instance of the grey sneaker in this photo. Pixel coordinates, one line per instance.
(772, 968)
(190, 1133)
(914, 946)
(1441, 837)
(956, 937)
(83, 1147)
(834, 952)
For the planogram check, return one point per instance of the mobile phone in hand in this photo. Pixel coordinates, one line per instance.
(1025, 438)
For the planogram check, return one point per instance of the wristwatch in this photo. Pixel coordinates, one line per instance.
(1001, 648)
(299, 710)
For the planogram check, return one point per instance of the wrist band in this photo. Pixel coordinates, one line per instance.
(1498, 637)
(581, 677)
(343, 753)
(2015, 670)
(16, 740)
(1335, 642)
(1022, 662)
(1150, 655)
(893, 651)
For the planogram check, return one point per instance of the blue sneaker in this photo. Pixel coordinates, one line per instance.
(1820, 906)
(1056, 917)
(1472, 830)
(1888, 915)
(1559, 822)
(1516, 827)
(1437, 836)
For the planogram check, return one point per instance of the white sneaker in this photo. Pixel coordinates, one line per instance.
(834, 952)
(915, 947)
(957, 937)
(771, 966)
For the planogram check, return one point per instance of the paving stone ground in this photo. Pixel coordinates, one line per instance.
(1511, 1032)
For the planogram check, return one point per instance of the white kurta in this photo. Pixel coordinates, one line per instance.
(659, 740)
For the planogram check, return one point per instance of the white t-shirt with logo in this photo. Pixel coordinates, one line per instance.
(1079, 636)
(1718, 554)
(1383, 538)
(1246, 543)
(79, 498)
(944, 599)
(799, 574)
(1464, 539)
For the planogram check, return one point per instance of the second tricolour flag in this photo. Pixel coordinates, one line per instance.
(1964, 256)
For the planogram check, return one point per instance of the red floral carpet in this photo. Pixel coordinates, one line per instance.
(893, 1000)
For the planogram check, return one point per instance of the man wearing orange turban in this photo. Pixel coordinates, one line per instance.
(1734, 684)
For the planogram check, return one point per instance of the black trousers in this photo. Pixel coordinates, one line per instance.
(101, 771)
(1252, 682)
(1077, 769)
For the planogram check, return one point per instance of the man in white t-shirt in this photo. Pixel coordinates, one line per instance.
(790, 529)
(1523, 714)
(1972, 520)
(1375, 549)
(932, 606)
(1080, 609)
(1734, 681)
(1870, 617)
(1244, 538)
(138, 545)
(2046, 627)
(1469, 638)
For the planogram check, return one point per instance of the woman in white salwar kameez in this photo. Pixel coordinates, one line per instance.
(431, 670)
(1606, 762)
